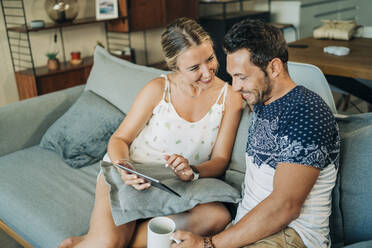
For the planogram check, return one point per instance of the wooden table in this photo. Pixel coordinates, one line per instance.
(339, 70)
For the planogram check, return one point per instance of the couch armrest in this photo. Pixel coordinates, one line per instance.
(23, 124)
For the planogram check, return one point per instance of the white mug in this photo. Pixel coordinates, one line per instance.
(159, 232)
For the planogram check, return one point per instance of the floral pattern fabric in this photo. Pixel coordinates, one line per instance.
(167, 133)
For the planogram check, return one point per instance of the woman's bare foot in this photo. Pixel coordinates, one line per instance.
(70, 242)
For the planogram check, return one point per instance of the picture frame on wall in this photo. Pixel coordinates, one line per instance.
(106, 9)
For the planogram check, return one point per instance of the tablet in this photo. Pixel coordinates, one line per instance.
(154, 182)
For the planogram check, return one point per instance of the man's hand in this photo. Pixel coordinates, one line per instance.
(188, 240)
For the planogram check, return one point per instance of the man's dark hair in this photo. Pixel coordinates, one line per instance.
(264, 41)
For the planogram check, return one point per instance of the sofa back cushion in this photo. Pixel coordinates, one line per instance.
(355, 177)
(235, 173)
(118, 81)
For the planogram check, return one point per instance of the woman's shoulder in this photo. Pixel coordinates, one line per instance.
(157, 83)
(233, 98)
(231, 95)
(155, 86)
(152, 92)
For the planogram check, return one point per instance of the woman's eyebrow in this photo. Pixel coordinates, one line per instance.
(193, 66)
(190, 67)
(211, 55)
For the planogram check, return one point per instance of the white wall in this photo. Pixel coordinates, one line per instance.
(365, 10)
(8, 88)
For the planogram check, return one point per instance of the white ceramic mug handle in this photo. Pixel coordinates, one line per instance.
(176, 240)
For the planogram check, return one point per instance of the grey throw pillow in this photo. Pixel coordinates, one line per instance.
(81, 135)
(128, 204)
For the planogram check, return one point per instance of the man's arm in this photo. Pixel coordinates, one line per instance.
(292, 184)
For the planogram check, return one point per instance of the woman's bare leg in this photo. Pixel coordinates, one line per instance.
(204, 219)
(102, 230)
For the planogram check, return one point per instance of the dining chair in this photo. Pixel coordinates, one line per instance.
(312, 78)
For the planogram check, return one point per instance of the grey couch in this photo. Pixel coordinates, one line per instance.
(43, 200)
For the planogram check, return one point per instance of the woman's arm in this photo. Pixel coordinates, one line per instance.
(226, 136)
(139, 114)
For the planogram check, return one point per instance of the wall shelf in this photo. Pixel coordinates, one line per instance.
(33, 81)
(83, 21)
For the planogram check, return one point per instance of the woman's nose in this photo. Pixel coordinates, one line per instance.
(206, 70)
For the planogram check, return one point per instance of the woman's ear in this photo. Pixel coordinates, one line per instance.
(275, 67)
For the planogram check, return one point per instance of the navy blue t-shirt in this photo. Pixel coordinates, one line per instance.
(296, 128)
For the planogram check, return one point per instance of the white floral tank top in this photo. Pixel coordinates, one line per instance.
(167, 133)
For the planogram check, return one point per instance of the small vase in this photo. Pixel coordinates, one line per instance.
(61, 11)
(53, 64)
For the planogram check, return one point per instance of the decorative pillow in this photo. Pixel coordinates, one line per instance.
(128, 204)
(81, 135)
(117, 80)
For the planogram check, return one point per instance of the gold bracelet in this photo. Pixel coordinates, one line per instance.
(208, 242)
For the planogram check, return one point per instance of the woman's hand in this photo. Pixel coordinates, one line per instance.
(131, 179)
(180, 166)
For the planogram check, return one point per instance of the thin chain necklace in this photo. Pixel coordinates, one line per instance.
(186, 90)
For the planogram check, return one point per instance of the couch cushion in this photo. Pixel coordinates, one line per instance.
(355, 175)
(364, 244)
(44, 199)
(117, 80)
(335, 219)
(236, 170)
(81, 135)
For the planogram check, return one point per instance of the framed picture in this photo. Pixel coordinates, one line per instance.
(106, 9)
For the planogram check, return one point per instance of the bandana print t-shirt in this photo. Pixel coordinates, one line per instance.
(297, 128)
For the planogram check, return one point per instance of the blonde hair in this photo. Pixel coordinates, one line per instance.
(179, 36)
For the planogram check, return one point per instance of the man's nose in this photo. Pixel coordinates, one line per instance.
(236, 86)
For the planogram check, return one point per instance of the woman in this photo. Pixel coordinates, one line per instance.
(188, 117)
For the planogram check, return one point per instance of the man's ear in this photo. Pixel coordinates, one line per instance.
(275, 67)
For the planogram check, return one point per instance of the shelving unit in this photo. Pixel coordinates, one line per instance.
(218, 25)
(33, 81)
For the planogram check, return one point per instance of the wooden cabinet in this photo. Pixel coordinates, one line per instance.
(44, 81)
(147, 14)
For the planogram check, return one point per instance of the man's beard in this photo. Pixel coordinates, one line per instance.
(263, 94)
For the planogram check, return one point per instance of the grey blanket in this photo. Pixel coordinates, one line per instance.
(128, 204)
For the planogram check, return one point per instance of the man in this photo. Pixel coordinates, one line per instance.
(292, 150)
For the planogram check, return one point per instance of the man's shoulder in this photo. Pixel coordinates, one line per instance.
(306, 101)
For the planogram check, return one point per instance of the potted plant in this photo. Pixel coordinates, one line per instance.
(53, 62)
